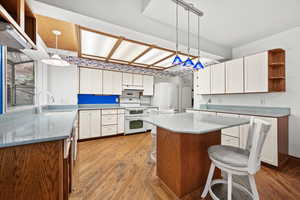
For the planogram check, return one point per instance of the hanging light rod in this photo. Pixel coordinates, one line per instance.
(188, 6)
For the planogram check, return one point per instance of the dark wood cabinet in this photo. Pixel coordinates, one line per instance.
(35, 171)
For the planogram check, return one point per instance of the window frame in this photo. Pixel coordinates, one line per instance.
(21, 107)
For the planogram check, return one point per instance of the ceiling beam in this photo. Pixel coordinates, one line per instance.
(167, 57)
(115, 47)
(141, 54)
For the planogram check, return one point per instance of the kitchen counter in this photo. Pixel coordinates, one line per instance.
(182, 142)
(35, 128)
(245, 110)
(193, 123)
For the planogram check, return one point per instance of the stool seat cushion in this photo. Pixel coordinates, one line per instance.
(232, 156)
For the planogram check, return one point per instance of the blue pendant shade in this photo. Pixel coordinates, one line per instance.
(177, 60)
(198, 65)
(188, 63)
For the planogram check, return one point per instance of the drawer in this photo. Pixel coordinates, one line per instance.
(233, 131)
(230, 141)
(109, 130)
(121, 111)
(109, 111)
(109, 119)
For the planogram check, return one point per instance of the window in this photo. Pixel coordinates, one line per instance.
(20, 81)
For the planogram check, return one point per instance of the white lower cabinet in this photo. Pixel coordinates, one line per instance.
(96, 123)
(109, 130)
(89, 124)
(234, 131)
(270, 150)
(109, 119)
(121, 123)
(230, 141)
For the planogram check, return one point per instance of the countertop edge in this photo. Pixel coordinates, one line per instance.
(192, 132)
(240, 113)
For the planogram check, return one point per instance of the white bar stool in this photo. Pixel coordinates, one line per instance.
(237, 161)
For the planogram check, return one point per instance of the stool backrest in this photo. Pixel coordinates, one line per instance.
(256, 138)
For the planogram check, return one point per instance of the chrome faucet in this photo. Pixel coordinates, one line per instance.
(39, 106)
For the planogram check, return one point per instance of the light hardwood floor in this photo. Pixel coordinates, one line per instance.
(118, 168)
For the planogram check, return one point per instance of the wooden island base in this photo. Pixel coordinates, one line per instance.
(182, 159)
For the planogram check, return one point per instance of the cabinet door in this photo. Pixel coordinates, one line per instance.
(233, 131)
(270, 150)
(204, 81)
(107, 82)
(95, 123)
(148, 83)
(96, 81)
(85, 83)
(137, 80)
(121, 123)
(256, 73)
(218, 78)
(235, 76)
(84, 124)
(117, 83)
(127, 79)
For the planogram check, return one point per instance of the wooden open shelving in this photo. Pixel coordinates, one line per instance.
(21, 17)
(276, 70)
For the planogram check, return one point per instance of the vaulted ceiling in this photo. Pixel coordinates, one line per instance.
(227, 23)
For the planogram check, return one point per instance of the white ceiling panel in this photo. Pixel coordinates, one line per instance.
(153, 56)
(128, 51)
(96, 44)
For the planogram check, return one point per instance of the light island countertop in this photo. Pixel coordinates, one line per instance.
(35, 128)
(193, 123)
(263, 111)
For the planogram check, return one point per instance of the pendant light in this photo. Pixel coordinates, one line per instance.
(177, 60)
(55, 59)
(198, 65)
(188, 62)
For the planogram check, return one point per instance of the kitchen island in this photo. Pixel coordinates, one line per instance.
(182, 143)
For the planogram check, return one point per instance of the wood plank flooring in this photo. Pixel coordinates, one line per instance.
(118, 168)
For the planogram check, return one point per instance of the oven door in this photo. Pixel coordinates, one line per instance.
(134, 125)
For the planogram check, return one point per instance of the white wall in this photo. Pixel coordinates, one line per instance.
(63, 84)
(290, 41)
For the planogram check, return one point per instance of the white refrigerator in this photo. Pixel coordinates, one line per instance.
(172, 96)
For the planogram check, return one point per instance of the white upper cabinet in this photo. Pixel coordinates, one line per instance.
(107, 82)
(256, 73)
(148, 82)
(96, 81)
(218, 78)
(85, 84)
(203, 81)
(90, 81)
(235, 76)
(117, 83)
(112, 82)
(127, 79)
(137, 80)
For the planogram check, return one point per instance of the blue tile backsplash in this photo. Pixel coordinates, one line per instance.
(97, 99)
